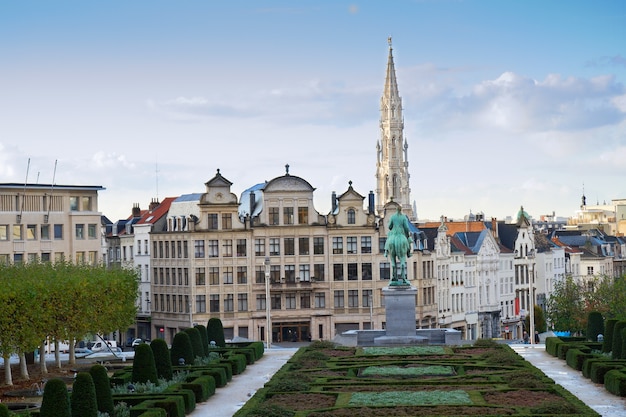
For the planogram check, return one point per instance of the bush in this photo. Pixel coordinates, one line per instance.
(615, 382)
(204, 338)
(595, 325)
(196, 342)
(616, 350)
(607, 346)
(144, 368)
(4, 411)
(181, 348)
(83, 400)
(102, 384)
(162, 359)
(56, 400)
(215, 332)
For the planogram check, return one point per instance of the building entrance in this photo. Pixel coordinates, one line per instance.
(291, 332)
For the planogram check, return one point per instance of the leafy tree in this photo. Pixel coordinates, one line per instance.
(595, 325)
(102, 384)
(539, 319)
(204, 338)
(181, 349)
(565, 308)
(215, 331)
(162, 359)
(607, 345)
(56, 400)
(144, 368)
(608, 296)
(83, 400)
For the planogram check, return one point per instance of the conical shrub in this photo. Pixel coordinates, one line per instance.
(144, 368)
(196, 343)
(181, 349)
(204, 338)
(595, 325)
(616, 352)
(607, 345)
(215, 331)
(56, 400)
(83, 400)
(162, 359)
(101, 382)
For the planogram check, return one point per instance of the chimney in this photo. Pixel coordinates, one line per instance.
(252, 205)
(333, 202)
(494, 227)
(136, 210)
(153, 204)
(370, 203)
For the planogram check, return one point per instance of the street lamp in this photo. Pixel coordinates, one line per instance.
(268, 324)
(531, 295)
(371, 300)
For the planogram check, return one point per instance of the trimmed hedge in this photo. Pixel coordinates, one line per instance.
(83, 399)
(616, 352)
(188, 396)
(196, 342)
(204, 338)
(600, 369)
(608, 335)
(56, 400)
(615, 382)
(173, 403)
(215, 332)
(595, 325)
(144, 368)
(162, 359)
(102, 385)
(576, 357)
(181, 348)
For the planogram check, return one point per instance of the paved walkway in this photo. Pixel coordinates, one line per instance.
(594, 395)
(233, 396)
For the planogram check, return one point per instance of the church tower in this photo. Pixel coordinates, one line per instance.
(392, 165)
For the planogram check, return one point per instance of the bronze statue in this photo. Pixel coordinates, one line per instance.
(398, 247)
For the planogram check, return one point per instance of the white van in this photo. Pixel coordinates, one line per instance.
(99, 345)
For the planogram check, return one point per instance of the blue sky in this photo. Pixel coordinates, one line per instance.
(506, 103)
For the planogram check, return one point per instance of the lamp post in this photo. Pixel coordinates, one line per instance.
(371, 300)
(268, 324)
(531, 295)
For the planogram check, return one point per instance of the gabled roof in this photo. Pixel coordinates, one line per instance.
(456, 245)
(456, 227)
(152, 216)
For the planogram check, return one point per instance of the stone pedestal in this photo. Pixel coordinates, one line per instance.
(400, 311)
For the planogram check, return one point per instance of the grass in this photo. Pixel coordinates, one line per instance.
(405, 350)
(457, 397)
(410, 371)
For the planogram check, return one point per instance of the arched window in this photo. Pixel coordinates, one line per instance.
(351, 216)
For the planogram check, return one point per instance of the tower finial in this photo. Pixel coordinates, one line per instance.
(389, 41)
(287, 169)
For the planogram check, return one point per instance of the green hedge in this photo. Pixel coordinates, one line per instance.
(575, 358)
(203, 386)
(153, 412)
(600, 369)
(608, 335)
(173, 403)
(552, 345)
(615, 382)
(237, 361)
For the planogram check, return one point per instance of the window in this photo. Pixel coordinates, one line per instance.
(305, 300)
(274, 246)
(366, 244)
(214, 303)
(214, 248)
(229, 302)
(242, 274)
(45, 232)
(241, 247)
(590, 270)
(337, 245)
(45, 257)
(287, 215)
(80, 231)
(305, 273)
(339, 301)
(318, 245)
(353, 298)
(337, 272)
(318, 271)
(227, 221)
(86, 201)
(167, 276)
(303, 246)
(214, 275)
(185, 250)
(259, 274)
(353, 273)
(200, 276)
(167, 249)
(275, 273)
(91, 233)
(212, 218)
(259, 247)
(31, 232)
(138, 247)
(74, 203)
(351, 244)
(366, 271)
(320, 300)
(290, 274)
(260, 302)
(186, 272)
(275, 303)
(58, 231)
(303, 215)
(17, 232)
(80, 257)
(289, 246)
(179, 249)
(273, 216)
(198, 248)
(351, 216)
(4, 232)
(228, 248)
(367, 297)
(4, 258)
(381, 244)
(290, 301)
(242, 302)
(228, 275)
(385, 271)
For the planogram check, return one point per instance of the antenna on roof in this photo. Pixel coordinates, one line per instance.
(19, 217)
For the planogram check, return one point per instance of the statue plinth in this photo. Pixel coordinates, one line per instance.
(400, 310)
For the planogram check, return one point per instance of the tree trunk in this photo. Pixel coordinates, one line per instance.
(57, 354)
(8, 378)
(23, 367)
(42, 359)
(72, 343)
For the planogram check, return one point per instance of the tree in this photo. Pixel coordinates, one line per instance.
(162, 359)
(144, 368)
(608, 296)
(616, 352)
(539, 319)
(607, 345)
(83, 400)
(215, 331)
(595, 325)
(204, 338)
(196, 343)
(181, 349)
(565, 308)
(56, 400)
(102, 384)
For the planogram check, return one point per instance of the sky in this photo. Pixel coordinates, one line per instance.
(506, 103)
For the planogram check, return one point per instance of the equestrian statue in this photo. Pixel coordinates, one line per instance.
(398, 247)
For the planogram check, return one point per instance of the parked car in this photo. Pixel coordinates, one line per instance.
(138, 342)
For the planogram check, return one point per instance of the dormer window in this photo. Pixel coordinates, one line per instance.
(351, 216)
